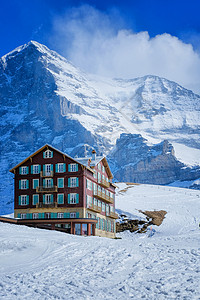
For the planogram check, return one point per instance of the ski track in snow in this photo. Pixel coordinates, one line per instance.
(52, 265)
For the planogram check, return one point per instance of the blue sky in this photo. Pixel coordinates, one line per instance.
(71, 28)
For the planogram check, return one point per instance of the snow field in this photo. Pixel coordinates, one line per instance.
(53, 265)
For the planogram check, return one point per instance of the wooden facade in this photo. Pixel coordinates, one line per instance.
(73, 195)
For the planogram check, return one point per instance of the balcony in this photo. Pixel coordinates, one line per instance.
(104, 183)
(46, 174)
(45, 189)
(45, 205)
(113, 215)
(94, 208)
(103, 196)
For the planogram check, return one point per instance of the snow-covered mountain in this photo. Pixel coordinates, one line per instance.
(45, 99)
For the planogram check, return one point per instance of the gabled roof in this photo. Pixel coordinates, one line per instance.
(82, 160)
(47, 146)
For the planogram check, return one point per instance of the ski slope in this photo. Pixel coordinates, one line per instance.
(53, 265)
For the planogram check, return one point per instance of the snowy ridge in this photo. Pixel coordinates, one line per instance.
(52, 265)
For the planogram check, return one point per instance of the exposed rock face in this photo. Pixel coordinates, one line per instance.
(134, 161)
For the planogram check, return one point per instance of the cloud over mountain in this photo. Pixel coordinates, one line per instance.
(101, 43)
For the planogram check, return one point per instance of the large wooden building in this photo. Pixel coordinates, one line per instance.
(54, 190)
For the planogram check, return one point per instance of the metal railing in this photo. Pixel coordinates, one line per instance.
(44, 189)
(46, 174)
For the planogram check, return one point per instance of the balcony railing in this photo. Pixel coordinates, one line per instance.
(46, 174)
(94, 208)
(103, 196)
(45, 205)
(113, 215)
(44, 189)
(104, 183)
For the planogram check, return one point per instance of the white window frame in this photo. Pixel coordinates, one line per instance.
(48, 182)
(60, 167)
(23, 216)
(72, 215)
(73, 182)
(60, 215)
(72, 198)
(48, 154)
(47, 198)
(35, 215)
(23, 199)
(73, 167)
(36, 169)
(23, 184)
(24, 170)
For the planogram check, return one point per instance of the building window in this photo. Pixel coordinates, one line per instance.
(73, 182)
(60, 215)
(48, 182)
(23, 216)
(24, 200)
(103, 207)
(73, 198)
(48, 154)
(60, 182)
(103, 169)
(35, 169)
(89, 184)
(60, 168)
(24, 170)
(73, 167)
(35, 199)
(95, 174)
(48, 170)
(72, 215)
(35, 216)
(35, 183)
(47, 215)
(23, 184)
(60, 198)
(48, 198)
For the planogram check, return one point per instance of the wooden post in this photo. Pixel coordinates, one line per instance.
(89, 229)
(52, 226)
(93, 229)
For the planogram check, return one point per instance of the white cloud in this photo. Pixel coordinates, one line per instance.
(97, 43)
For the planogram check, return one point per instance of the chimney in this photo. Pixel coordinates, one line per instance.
(93, 155)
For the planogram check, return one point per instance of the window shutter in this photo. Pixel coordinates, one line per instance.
(51, 198)
(43, 154)
(51, 167)
(27, 184)
(60, 199)
(64, 167)
(31, 216)
(19, 216)
(43, 198)
(69, 168)
(51, 154)
(56, 168)
(20, 184)
(31, 169)
(52, 215)
(27, 199)
(77, 214)
(69, 185)
(27, 170)
(20, 170)
(68, 215)
(39, 168)
(68, 198)
(43, 182)
(77, 198)
(39, 216)
(51, 182)
(76, 167)
(77, 181)
(19, 200)
(43, 215)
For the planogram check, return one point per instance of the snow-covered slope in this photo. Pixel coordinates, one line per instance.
(53, 265)
(45, 99)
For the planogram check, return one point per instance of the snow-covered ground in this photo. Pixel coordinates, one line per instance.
(54, 265)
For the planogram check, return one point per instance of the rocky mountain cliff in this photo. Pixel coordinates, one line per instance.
(45, 99)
